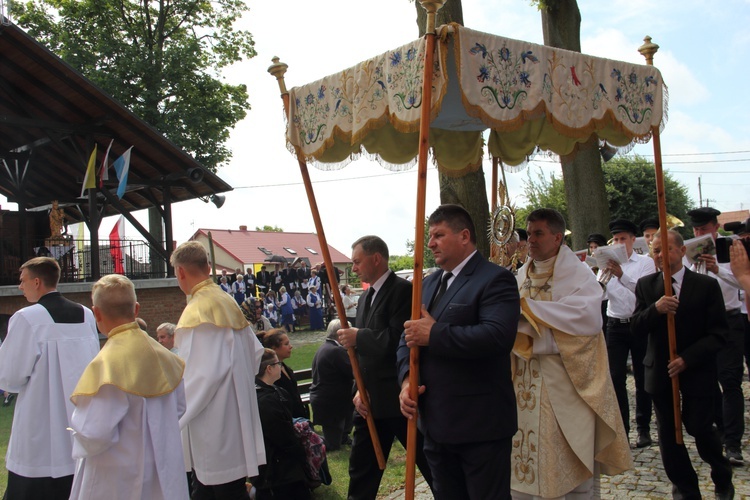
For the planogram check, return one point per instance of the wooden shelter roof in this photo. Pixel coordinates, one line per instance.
(50, 118)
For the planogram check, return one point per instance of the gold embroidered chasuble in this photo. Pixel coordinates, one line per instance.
(568, 416)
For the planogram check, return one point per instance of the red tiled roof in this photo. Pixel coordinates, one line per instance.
(245, 245)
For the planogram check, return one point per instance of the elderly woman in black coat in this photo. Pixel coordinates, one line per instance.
(283, 476)
(331, 390)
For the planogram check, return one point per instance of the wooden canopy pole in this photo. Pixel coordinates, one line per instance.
(431, 6)
(278, 69)
(648, 49)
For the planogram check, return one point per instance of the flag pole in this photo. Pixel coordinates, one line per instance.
(278, 69)
(431, 6)
(648, 49)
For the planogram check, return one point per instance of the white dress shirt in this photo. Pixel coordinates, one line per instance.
(621, 291)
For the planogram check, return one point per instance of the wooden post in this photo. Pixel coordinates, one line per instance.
(431, 6)
(648, 49)
(278, 69)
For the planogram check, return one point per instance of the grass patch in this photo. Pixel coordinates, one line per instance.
(6, 418)
(338, 461)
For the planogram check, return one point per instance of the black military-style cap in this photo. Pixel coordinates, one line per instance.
(623, 226)
(597, 238)
(703, 215)
(649, 223)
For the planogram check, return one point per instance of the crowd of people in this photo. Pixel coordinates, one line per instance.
(291, 297)
(520, 391)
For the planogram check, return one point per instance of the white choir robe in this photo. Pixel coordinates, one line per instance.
(128, 447)
(221, 433)
(42, 361)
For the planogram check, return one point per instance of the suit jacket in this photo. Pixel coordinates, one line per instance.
(466, 370)
(263, 279)
(700, 329)
(377, 341)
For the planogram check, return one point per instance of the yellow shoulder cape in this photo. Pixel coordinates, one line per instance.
(209, 304)
(134, 363)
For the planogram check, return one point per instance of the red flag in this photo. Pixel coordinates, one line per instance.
(115, 245)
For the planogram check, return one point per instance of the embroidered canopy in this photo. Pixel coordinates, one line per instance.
(529, 95)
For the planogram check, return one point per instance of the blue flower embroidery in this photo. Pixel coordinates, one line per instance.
(484, 73)
(524, 77)
(411, 54)
(528, 55)
(395, 58)
(650, 80)
(633, 78)
(309, 99)
(649, 99)
(618, 94)
(505, 53)
(616, 74)
(478, 48)
(322, 92)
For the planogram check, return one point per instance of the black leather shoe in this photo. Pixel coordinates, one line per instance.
(644, 439)
(727, 495)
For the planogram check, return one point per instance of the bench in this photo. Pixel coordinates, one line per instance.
(304, 381)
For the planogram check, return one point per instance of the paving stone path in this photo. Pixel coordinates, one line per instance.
(647, 480)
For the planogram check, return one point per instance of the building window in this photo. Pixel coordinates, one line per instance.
(290, 250)
(265, 250)
(311, 250)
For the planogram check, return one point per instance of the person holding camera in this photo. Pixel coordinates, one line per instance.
(730, 416)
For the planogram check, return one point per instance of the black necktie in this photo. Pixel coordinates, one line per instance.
(368, 300)
(674, 290)
(441, 290)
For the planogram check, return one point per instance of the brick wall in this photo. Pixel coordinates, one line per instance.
(161, 300)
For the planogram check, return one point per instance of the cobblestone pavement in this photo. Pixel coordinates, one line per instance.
(647, 480)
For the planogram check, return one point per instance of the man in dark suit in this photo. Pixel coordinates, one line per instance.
(701, 330)
(382, 312)
(263, 279)
(467, 404)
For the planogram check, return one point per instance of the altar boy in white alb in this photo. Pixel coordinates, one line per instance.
(221, 433)
(128, 404)
(47, 348)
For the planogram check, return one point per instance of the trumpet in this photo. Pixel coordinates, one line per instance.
(700, 267)
(605, 277)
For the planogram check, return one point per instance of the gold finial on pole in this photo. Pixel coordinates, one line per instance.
(431, 6)
(278, 69)
(648, 49)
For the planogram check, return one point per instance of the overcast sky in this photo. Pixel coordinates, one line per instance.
(703, 58)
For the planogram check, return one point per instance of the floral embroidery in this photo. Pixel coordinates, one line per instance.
(524, 451)
(505, 76)
(635, 101)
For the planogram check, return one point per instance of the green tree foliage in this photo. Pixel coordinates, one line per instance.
(271, 229)
(160, 59)
(399, 262)
(428, 260)
(630, 183)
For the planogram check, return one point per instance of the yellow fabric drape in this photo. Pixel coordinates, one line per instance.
(158, 370)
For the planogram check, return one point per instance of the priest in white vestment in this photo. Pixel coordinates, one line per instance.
(128, 404)
(569, 425)
(221, 433)
(47, 348)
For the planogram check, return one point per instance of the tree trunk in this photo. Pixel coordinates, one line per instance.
(588, 209)
(461, 190)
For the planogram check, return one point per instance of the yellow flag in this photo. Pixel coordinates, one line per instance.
(89, 181)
